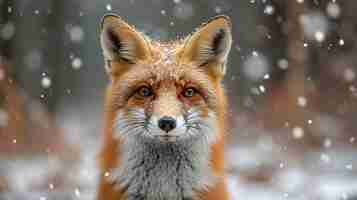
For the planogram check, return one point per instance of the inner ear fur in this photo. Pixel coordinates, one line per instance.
(209, 45)
(121, 42)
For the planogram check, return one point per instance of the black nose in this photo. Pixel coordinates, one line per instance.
(167, 124)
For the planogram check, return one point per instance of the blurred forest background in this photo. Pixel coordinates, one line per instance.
(291, 83)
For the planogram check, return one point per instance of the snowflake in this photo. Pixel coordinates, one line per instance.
(46, 82)
(349, 74)
(266, 76)
(301, 101)
(269, 10)
(77, 63)
(77, 192)
(319, 36)
(298, 132)
(7, 31)
(262, 88)
(325, 158)
(341, 42)
(183, 10)
(283, 63)
(349, 166)
(327, 143)
(76, 34)
(108, 7)
(333, 10)
(256, 66)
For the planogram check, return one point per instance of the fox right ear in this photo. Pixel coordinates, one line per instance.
(121, 42)
(209, 46)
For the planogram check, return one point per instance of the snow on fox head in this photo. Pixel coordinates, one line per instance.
(165, 92)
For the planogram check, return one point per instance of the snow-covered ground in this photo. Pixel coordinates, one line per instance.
(256, 170)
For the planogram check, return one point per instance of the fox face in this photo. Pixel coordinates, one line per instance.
(165, 92)
(166, 107)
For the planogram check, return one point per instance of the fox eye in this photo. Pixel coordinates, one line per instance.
(144, 91)
(189, 92)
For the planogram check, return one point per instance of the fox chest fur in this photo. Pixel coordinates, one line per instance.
(163, 171)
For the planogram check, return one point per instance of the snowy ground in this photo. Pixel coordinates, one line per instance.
(259, 168)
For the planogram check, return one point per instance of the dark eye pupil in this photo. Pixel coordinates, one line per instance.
(145, 92)
(189, 92)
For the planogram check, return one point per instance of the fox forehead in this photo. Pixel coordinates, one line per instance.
(165, 66)
(164, 57)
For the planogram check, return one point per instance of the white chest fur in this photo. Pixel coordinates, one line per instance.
(157, 171)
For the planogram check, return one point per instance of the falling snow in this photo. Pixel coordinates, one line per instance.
(301, 101)
(7, 31)
(269, 9)
(283, 64)
(325, 158)
(76, 34)
(327, 143)
(341, 42)
(266, 76)
(262, 88)
(298, 132)
(315, 25)
(255, 66)
(293, 135)
(349, 74)
(77, 192)
(183, 10)
(333, 10)
(218, 9)
(349, 166)
(46, 82)
(108, 7)
(76, 63)
(319, 36)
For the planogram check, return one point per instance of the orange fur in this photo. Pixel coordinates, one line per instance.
(173, 60)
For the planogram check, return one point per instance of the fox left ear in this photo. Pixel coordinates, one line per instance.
(122, 43)
(209, 46)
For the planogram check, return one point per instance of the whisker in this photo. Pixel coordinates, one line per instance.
(132, 123)
(197, 125)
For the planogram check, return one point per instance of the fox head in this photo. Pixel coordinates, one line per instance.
(165, 92)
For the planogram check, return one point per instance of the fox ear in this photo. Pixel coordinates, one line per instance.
(121, 42)
(209, 46)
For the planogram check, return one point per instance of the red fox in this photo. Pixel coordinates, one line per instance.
(164, 114)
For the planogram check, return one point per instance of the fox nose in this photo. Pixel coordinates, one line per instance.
(167, 124)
